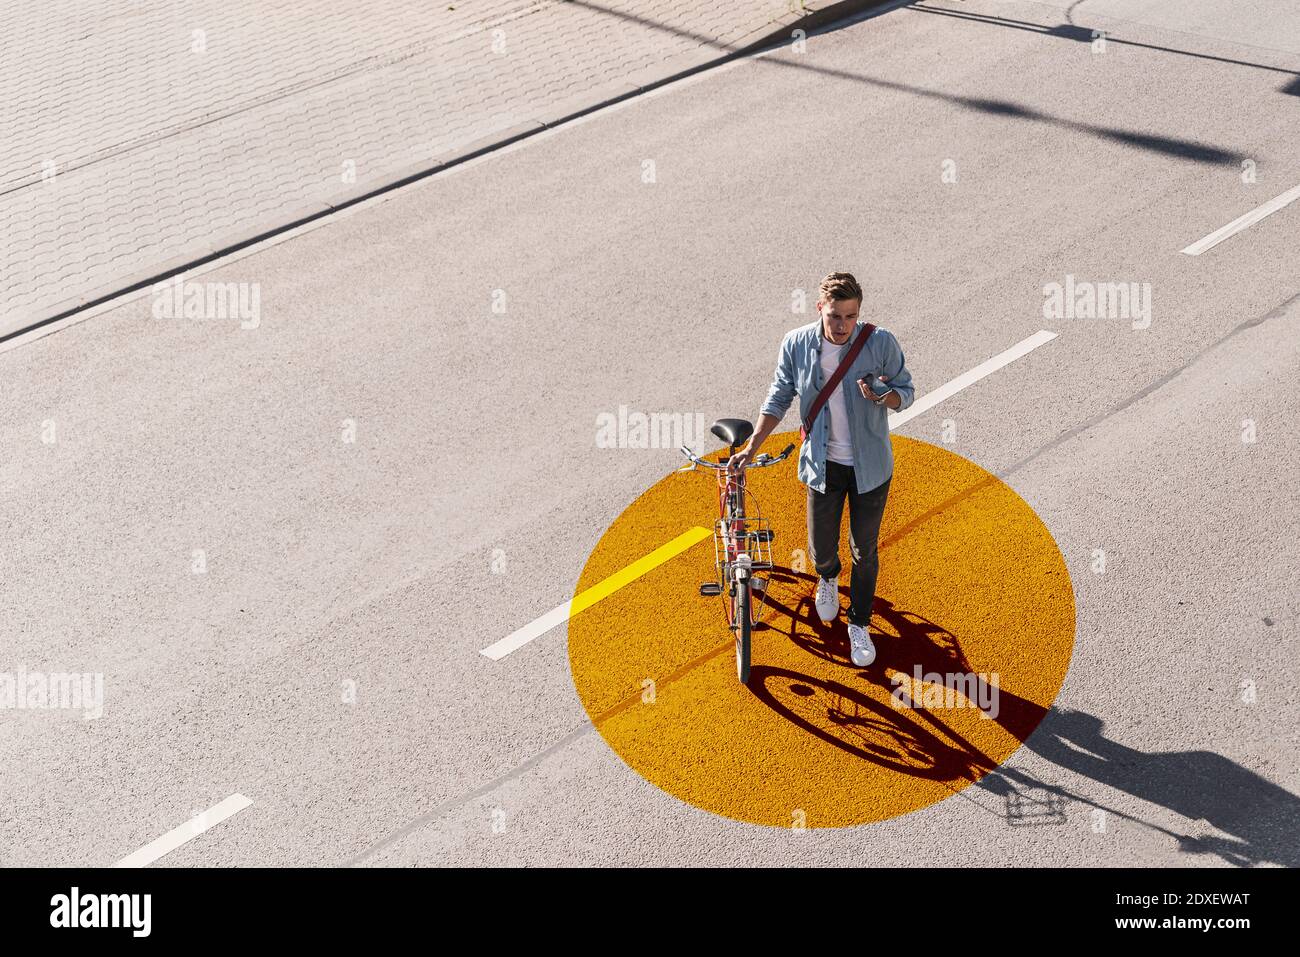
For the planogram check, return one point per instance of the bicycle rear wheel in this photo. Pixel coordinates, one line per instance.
(744, 629)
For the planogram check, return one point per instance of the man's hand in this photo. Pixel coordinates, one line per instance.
(738, 461)
(890, 399)
(766, 423)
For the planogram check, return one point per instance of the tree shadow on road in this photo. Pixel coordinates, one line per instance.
(1174, 146)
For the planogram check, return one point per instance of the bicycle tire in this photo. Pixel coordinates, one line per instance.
(744, 630)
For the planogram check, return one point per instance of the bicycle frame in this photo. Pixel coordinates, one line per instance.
(741, 540)
(742, 545)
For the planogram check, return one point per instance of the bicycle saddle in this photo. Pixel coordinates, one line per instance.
(733, 431)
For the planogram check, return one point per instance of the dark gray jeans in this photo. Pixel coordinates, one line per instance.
(865, 512)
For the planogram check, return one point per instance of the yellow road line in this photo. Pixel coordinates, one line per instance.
(561, 613)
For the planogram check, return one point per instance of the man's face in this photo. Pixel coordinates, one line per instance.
(839, 316)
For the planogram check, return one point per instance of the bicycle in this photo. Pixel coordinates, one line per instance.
(742, 539)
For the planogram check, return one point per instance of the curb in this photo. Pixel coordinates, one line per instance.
(709, 55)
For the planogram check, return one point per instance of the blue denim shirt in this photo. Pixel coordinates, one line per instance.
(798, 370)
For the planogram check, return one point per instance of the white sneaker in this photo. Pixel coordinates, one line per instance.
(863, 651)
(828, 599)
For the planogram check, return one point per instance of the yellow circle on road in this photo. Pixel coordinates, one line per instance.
(973, 623)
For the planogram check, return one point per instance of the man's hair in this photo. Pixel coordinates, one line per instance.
(839, 285)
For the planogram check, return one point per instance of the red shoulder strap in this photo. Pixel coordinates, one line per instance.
(829, 388)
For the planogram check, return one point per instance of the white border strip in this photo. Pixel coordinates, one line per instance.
(597, 592)
(534, 629)
(1243, 222)
(186, 832)
(989, 366)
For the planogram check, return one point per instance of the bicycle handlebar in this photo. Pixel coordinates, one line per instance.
(762, 461)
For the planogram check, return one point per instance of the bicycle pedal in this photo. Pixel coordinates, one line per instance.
(710, 588)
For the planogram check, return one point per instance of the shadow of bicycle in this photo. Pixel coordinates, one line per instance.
(856, 723)
(1260, 818)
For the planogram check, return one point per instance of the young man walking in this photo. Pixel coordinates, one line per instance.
(846, 451)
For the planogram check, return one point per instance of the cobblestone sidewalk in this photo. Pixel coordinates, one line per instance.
(139, 136)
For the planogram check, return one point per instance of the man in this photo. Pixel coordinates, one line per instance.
(846, 453)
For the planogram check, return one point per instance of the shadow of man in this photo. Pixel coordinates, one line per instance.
(1262, 818)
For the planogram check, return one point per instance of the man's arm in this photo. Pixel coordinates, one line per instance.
(779, 398)
(782, 391)
(896, 375)
(766, 424)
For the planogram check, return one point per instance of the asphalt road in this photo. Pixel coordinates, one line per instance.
(475, 489)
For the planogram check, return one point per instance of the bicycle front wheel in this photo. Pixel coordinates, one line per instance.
(744, 629)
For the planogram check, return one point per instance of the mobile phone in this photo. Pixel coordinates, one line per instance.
(878, 389)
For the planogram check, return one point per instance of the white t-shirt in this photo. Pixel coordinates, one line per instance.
(839, 446)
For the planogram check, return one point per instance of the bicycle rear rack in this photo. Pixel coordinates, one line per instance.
(752, 544)
(753, 547)
(754, 541)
